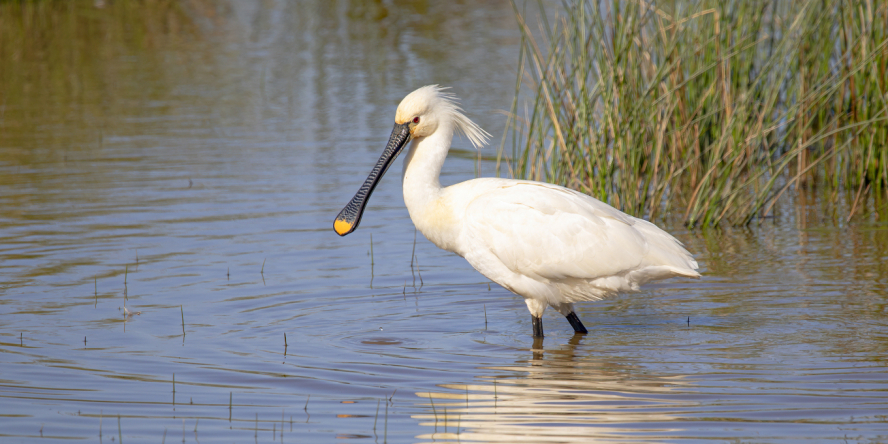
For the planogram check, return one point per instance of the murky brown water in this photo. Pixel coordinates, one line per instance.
(187, 160)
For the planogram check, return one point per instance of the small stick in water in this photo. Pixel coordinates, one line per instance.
(434, 411)
(182, 310)
(485, 316)
(413, 253)
(262, 271)
(421, 283)
(377, 415)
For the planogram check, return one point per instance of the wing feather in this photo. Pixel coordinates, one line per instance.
(559, 236)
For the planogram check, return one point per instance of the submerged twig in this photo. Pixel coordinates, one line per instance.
(435, 412)
(377, 415)
(421, 283)
(413, 252)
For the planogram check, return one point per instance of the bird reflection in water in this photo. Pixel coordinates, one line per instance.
(560, 394)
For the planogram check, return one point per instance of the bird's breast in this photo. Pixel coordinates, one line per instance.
(438, 223)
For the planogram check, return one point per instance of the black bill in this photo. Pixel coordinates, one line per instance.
(350, 216)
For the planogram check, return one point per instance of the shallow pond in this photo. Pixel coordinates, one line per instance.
(185, 163)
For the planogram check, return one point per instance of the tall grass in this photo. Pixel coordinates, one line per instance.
(711, 110)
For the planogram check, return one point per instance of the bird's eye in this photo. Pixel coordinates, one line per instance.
(416, 120)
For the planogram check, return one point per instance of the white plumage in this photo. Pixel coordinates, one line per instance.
(551, 245)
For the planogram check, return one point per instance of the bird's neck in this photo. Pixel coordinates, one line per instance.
(422, 187)
(422, 167)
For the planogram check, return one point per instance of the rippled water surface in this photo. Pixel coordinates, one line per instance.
(185, 162)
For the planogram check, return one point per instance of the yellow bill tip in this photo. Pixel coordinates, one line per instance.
(342, 227)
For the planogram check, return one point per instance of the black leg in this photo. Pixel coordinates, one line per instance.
(537, 326)
(538, 348)
(576, 323)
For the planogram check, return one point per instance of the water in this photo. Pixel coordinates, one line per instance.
(187, 162)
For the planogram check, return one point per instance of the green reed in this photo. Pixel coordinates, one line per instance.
(711, 110)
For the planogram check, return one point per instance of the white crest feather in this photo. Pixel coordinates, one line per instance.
(470, 129)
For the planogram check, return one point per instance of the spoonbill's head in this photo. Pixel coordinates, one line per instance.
(421, 114)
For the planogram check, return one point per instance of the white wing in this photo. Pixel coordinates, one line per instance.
(555, 235)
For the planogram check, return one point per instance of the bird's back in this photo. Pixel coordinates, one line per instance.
(527, 235)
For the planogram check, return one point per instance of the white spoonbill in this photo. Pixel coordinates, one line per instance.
(551, 245)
